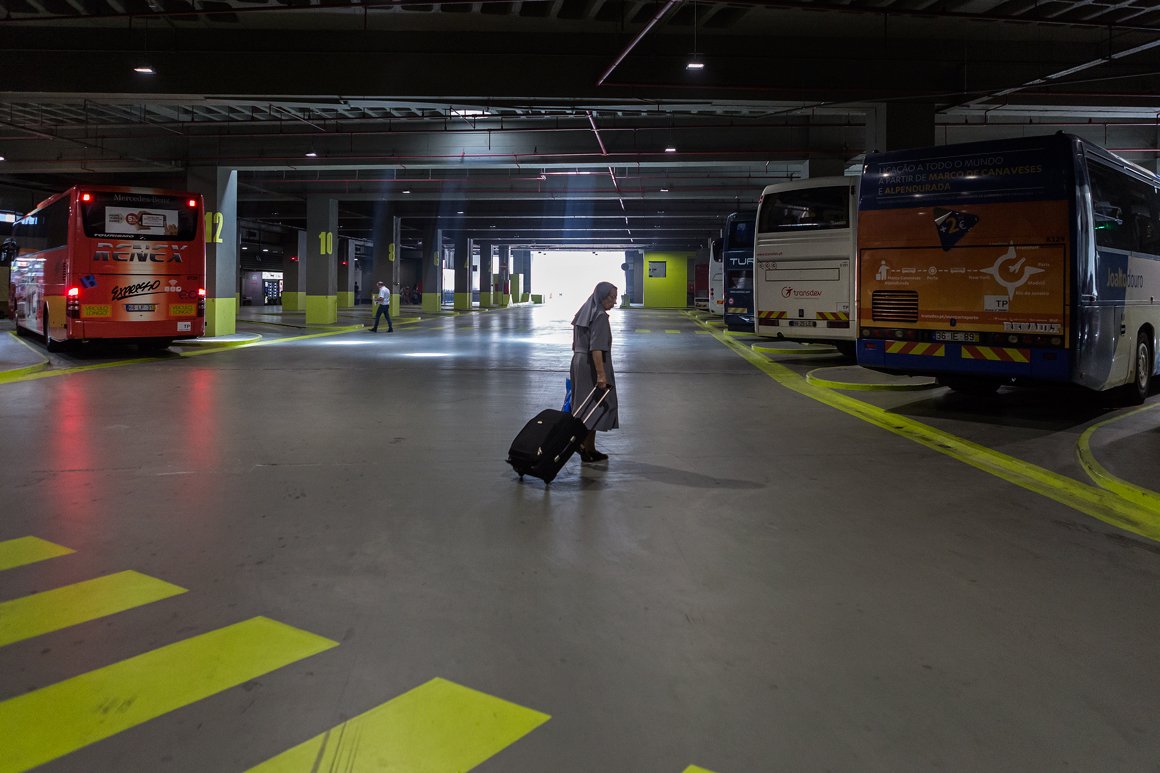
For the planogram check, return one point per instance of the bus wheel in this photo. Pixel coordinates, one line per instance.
(970, 385)
(847, 349)
(157, 345)
(1137, 391)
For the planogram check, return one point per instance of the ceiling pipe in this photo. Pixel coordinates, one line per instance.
(668, 6)
(604, 152)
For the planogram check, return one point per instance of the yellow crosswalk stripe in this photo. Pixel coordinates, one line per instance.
(59, 608)
(28, 550)
(695, 769)
(672, 331)
(53, 721)
(438, 727)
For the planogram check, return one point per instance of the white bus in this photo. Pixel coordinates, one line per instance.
(716, 278)
(803, 283)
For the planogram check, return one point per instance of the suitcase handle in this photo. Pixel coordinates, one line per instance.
(596, 405)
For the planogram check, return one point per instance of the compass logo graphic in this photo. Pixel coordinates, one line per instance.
(1010, 272)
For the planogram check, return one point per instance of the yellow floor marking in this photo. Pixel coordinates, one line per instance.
(438, 727)
(701, 332)
(672, 331)
(642, 330)
(59, 608)
(1107, 506)
(695, 769)
(1104, 479)
(59, 719)
(28, 550)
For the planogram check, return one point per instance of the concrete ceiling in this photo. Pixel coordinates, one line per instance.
(544, 122)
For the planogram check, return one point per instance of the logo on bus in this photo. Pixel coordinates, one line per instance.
(789, 292)
(127, 252)
(1122, 280)
(1013, 276)
(953, 226)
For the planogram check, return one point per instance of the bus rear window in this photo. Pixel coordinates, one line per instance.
(809, 209)
(140, 216)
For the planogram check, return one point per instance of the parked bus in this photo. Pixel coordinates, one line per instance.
(109, 263)
(7, 253)
(805, 261)
(716, 278)
(1024, 259)
(738, 253)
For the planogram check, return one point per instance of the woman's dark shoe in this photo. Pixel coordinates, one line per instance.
(592, 456)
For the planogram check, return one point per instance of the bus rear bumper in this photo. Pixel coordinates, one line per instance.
(137, 331)
(931, 359)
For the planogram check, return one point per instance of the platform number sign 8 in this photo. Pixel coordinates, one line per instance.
(213, 227)
(325, 243)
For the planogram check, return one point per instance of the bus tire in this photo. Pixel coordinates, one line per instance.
(847, 349)
(157, 345)
(1137, 390)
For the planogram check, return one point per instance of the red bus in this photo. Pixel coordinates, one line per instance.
(110, 263)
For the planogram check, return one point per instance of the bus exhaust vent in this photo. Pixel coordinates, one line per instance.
(894, 306)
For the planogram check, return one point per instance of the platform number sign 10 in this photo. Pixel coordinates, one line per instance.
(325, 243)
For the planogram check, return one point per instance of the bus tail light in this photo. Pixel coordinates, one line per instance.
(72, 306)
(201, 301)
(192, 203)
(86, 197)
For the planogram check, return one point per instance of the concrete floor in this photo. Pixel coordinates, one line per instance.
(756, 581)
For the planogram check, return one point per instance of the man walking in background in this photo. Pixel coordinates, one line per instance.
(384, 300)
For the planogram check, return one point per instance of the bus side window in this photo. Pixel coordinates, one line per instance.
(7, 252)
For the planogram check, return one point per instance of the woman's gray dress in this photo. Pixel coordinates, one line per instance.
(585, 340)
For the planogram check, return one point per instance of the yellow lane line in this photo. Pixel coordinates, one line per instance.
(438, 727)
(695, 769)
(805, 349)
(672, 331)
(59, 719)
(54, 610)
(1090, 500)
(1104, 479)
(28, 550)
(642, 330)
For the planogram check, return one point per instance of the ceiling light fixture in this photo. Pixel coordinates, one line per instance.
(664, 190)
(671, 149)
(311, 154)
(145, 70)
(695, 62)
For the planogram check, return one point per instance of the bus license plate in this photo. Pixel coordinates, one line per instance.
(965, 338)
(803, 323)
(140, 307)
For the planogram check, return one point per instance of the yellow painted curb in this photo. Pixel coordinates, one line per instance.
(1100, 475)
(16, 374)
(808, 349)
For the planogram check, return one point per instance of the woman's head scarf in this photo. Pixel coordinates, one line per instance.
(592, 307)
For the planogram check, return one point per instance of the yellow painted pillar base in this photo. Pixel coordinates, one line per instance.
(346, 300)
(485, 300)
(396, 305)
(221, 316)
(514, 282)
(462, 301)
(321, 309)
(294, 301)
(432, 302)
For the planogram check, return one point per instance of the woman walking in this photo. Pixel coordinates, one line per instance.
(592, 364)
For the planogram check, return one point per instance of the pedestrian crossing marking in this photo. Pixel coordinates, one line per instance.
(642, 330)
(52, 610)
(438, 727)
(28, 550)
(59, 719)
(672, 331)
(695, 769)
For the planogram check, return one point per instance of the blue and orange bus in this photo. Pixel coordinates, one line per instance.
(110, 263)
(1031, 259)
(737, 250)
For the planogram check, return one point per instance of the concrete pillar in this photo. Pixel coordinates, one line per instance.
(485, 279)
(432, 272)
(346, 274)
(898, 125)
(294, 274)
(462, 266)
(634, 276)
(521, 275)
(322, 263)
(219, 189)
(395, 255)
(504, 275)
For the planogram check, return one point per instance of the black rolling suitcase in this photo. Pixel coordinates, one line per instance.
(547, 442)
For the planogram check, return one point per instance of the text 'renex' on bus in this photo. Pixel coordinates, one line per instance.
(804, 260)
(106, 263)
(737, 249)
(1032, 259)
